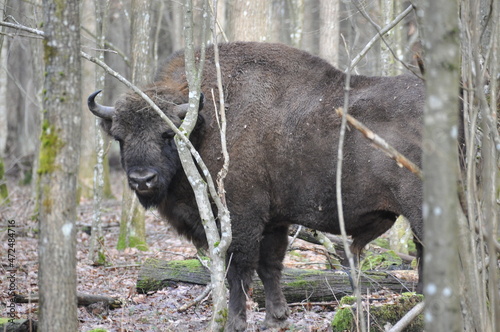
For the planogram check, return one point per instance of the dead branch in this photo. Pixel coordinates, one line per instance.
(379, 142)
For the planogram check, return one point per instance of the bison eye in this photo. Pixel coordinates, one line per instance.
(168, 134)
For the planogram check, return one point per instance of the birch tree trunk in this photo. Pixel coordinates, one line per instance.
(204, 187)
(440, 160)
(58, 166)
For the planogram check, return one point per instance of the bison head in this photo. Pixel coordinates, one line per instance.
(148, 151)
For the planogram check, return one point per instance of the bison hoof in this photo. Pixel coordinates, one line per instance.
(278, 318)
(236, 325)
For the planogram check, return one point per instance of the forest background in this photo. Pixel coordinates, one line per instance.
(338, 31)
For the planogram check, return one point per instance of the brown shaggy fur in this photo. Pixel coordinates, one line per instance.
(282, 139)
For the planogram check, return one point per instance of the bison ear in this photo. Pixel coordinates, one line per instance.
(182, 109)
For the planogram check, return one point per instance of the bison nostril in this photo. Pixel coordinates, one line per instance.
(142, 180)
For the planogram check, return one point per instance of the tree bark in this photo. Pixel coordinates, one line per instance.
(203, 186)
(58, 166)
(329, 33)
(249, 20)
(440, 161)
(133, 226)
(298, 285)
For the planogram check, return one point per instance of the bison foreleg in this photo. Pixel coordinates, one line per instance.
(243, 257)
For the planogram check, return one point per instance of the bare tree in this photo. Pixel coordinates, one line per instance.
(90, 131)
(132, 226)
(96, 252)
(480, 42)
(58, 166)
(23, 84)
(329, 35)
(204, 186)
(248, 20)
(4, 193)
(440, 156)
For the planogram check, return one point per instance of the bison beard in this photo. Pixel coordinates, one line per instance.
(282, 136)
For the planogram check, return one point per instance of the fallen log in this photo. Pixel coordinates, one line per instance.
(298, 285)
(82, 299)
(18, 325)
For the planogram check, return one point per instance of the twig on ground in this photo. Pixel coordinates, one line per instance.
(197, 300)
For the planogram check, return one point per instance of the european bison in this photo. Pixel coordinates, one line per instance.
(282, 138)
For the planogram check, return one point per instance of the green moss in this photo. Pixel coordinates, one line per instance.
(27, 177)
(98, 330)
(343, 320)
(380, 261)
(392, 313)
(50, 145)
(412, 248)
(4, 192)
(222, 317)
(101, 258)
(49, 52)
(47, 201)
(133, 242)
(380, 314)
(347, 300)
(186, 264)
(381, 242)
(298, 284)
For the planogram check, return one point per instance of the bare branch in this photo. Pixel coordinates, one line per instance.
(22, 27)
(380, 35)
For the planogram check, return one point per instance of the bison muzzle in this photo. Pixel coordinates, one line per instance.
(282, 137)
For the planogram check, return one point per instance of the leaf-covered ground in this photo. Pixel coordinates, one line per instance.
(152, 312)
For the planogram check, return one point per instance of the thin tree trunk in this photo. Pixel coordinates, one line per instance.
(203, 187)
(4, 192)
(133, 227)
(96, 250)
(58, 166)
(440, 156)
(329, 33)
(249, 20)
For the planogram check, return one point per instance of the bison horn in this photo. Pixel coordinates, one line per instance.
(104, 112)
(182, 109)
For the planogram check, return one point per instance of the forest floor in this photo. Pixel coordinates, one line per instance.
(151, 312)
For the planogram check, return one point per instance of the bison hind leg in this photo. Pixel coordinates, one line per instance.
(272, 252)
(371, 226)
